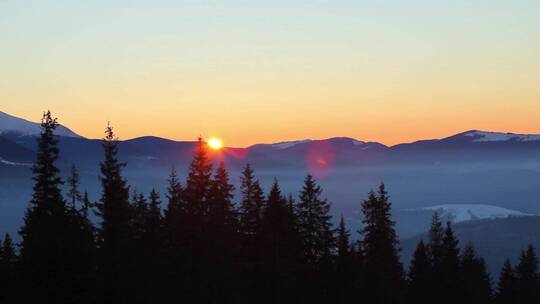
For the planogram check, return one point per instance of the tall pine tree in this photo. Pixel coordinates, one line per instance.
(507, 287)
(314, 222)
(476, 281)
(280, 250)
(251, 203)
(49, 260)
(115, 235)
(419, 277)
(528, 277)
(8, 273)
(381, 252)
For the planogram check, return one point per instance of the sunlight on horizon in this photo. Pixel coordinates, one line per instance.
(215, 143)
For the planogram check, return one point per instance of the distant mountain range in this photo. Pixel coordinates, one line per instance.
(470, 176)
(23, 127)
(17, 145)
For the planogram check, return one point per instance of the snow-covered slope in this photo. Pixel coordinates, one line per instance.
(289, 144)
(468, 212)
(483, 136)
(24, 127)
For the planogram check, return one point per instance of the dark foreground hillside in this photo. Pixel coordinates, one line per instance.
(494, 239)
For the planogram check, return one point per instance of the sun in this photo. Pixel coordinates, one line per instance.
(215, 143)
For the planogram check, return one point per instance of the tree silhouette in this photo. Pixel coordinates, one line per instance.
(380, 248)
(476, 280)
(115, 236)
(507, 291)
(8, 274)
(419, 276)
(280, 250)
(528, 277)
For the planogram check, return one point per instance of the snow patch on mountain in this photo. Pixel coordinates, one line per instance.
(357, 142)
(289, 144)
(482, 136)
(468, 212)
(24, 127)
(10, 163)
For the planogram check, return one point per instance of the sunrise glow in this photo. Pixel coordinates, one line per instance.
(215, 143)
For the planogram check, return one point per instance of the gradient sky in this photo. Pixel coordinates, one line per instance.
(266, 71)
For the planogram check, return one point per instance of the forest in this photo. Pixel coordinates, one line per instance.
(197, 243)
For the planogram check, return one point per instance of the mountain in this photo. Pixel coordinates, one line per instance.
(12, 152)
(22, 127)
(469, 212)
(486, 168)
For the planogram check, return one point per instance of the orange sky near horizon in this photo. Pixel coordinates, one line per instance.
(267, 71)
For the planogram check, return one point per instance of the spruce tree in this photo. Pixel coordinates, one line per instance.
(73, 194)
(173, 215)
(8, 272)
(280, 250)
(476, 281)
(528, 277)
(507, 287)
(115, 231)
(318, 243)
(343, 243)
(194, 222)
(154, 223)
(174, 239)
(435, 254)
(435, 243)
(250, 223)
(251, 204)
(46, 260)
(221, 212)
(419, 277)
(450, 268)
(314, 222)
(380, 249)
(345, 271)
(222, 242)
(81, 232)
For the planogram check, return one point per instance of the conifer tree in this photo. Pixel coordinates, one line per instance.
(138, 220)
(250, 223)
(380, 249)
(314, 222)
(154, 223)
(435, 250)
(435, 243)
(507, 291)
(8, 272)
(73, 194)
(174, 215)
(194, 222)
(81, 232)
(221, 213)
(174, 239)
(450, 270)
(476, 281)
(175, 206)
(419, 277)
(343, 243)
(198, 184)
(115, 231)
(345, 266)
(251, 204)
(45, 249)
(280, 250)
(528, 277)
(222, 242)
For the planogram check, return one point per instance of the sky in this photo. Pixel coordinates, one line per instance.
(267, 71)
